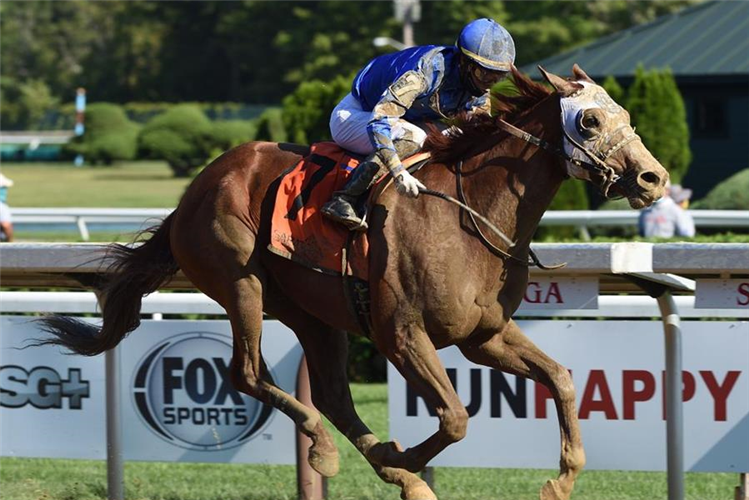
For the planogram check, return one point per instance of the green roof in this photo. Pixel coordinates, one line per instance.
(711, 38)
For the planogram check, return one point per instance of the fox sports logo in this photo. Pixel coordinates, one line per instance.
(183, 392)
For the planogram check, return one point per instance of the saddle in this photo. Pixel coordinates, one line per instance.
(301, 233)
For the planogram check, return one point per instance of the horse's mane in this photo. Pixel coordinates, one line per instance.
(475, 127)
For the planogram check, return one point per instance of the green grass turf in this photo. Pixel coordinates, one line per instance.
(45, 479)
(147, 184)
(71, 236)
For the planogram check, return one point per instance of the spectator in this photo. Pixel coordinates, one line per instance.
(668, 216)
(6, 225)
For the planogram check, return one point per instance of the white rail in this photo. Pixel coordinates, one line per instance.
(616, 265)
(138, 218)
(702, 218)
(609, 306)
(35, 138)
(141, 217)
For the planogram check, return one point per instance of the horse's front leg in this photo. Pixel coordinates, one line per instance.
(511, 351)
(412, 353)
(327, 353)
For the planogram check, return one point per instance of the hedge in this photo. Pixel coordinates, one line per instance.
(227, 134)
(270, 126)
(182, 136)
(571, 196)
(731, 194)
(144, 111)
(109, 136)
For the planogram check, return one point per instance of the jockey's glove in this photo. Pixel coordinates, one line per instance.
(407, 184)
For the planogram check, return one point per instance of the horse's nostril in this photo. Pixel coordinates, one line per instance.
(650, 178)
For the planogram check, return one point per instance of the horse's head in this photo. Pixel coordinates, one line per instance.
(597, 132)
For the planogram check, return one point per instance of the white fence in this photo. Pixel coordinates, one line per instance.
(134, 218)
(706, 279)
(157, 304)
(35, 138)
(129, 219)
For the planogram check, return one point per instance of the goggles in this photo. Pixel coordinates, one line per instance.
(485, 78)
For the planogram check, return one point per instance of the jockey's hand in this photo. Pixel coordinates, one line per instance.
(407, 184)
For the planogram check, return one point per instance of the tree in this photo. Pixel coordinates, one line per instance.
(541, 29)
(614, 90)
(336, 36)
(657, 110)
(258, 52)
(51, 40)
(441, 22)
(25, 103)
(674, 151)
(306, 111)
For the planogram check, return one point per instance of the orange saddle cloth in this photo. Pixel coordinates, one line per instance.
(299, 230)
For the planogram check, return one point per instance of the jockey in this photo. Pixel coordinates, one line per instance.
(419, 84)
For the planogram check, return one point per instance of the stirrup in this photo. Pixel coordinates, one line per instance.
(351, 221)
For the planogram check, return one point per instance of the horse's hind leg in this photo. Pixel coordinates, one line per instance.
(250, 374)
(511, 351)
(224, 265)
(326, 350)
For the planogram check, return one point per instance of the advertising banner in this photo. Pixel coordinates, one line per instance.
(617, 368)
(52, 404)
(561, 293)
(178, 403)
(722, 294)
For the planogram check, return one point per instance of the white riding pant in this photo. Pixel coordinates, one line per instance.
(348, 126)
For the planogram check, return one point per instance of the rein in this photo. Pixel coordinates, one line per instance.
(462, 203)
(597, 167)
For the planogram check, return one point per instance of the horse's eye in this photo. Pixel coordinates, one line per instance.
(589, 123)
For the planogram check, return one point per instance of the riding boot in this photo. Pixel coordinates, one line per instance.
(341, 207)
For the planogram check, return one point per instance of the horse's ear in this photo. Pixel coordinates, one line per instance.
(564, 87)
(580, 74)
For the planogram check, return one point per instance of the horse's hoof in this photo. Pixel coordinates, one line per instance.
(418, 492)
(552, 490)
(325, 462)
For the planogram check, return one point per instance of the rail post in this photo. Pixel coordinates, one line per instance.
(310, 484)
(742, 490)
(660, 287)
(674, 406)
(82, 228)
(115, 462)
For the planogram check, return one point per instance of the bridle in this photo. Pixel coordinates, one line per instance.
(604, 174)
(603, 145)
(604, 148)
(608, 177)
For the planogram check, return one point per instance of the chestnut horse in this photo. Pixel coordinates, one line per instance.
(435, 281)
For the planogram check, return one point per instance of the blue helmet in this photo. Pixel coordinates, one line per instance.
(487, 43)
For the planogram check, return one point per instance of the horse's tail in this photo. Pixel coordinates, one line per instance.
(135, 272)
